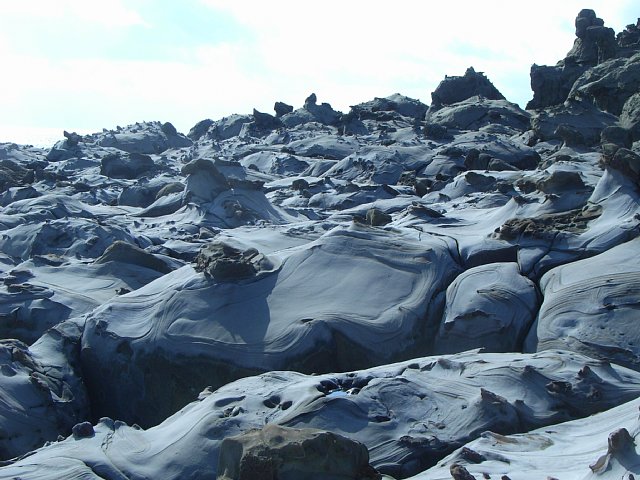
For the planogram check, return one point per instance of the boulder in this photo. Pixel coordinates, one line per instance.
(489, 306)
(626, 161)
(629, 40)
(561, 181)
(377, 218)
(456, 89)
(200, 129)
(282, 108)
(382, 109)
(276, 452)
(126, 165)
(595, 43)
(551, 84)
(225, 263)
(265, 122)
(124, 252)
(312, 112)
(590, 307)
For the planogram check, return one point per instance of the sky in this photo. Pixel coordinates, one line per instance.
(85, 65)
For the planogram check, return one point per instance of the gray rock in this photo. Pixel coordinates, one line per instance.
(225, 263)
(551, 84)
(124, 252)
(456, 89)
(630, 116)
(476, 112)
(127, 166)
(388, 108)
(312, 112)
(593, 287)
(490, 306)
(276, 452)
(583, 118)
(265, 122)
(617, 135)
(610, 84)
(594, 43)
(626, 161)
(13, 174)
(200, 129)
(282, 108)
(561, 181)
(377, 218)
(143, 138)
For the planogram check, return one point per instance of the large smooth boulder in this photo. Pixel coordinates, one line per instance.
(491, 307)
(127, 166)
(148, 353)
(590, 307)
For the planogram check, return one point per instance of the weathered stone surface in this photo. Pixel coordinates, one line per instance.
(282, 108)
(630, 116)
(456, 89)
(609, 84)
(124, 252)
(225, 263)
(124, 165)
(276, 452)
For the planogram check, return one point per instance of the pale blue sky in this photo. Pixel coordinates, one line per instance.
(85, 64)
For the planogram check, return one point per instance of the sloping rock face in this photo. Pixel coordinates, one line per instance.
(401, 275)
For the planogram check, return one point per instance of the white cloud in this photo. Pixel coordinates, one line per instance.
(346, 52)
(109, 13)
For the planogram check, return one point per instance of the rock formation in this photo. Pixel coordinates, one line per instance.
(398, 291)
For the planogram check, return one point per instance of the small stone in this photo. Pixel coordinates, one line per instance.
(83, 430)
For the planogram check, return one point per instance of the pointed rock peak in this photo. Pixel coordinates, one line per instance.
(456, 89)
(311, 100)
